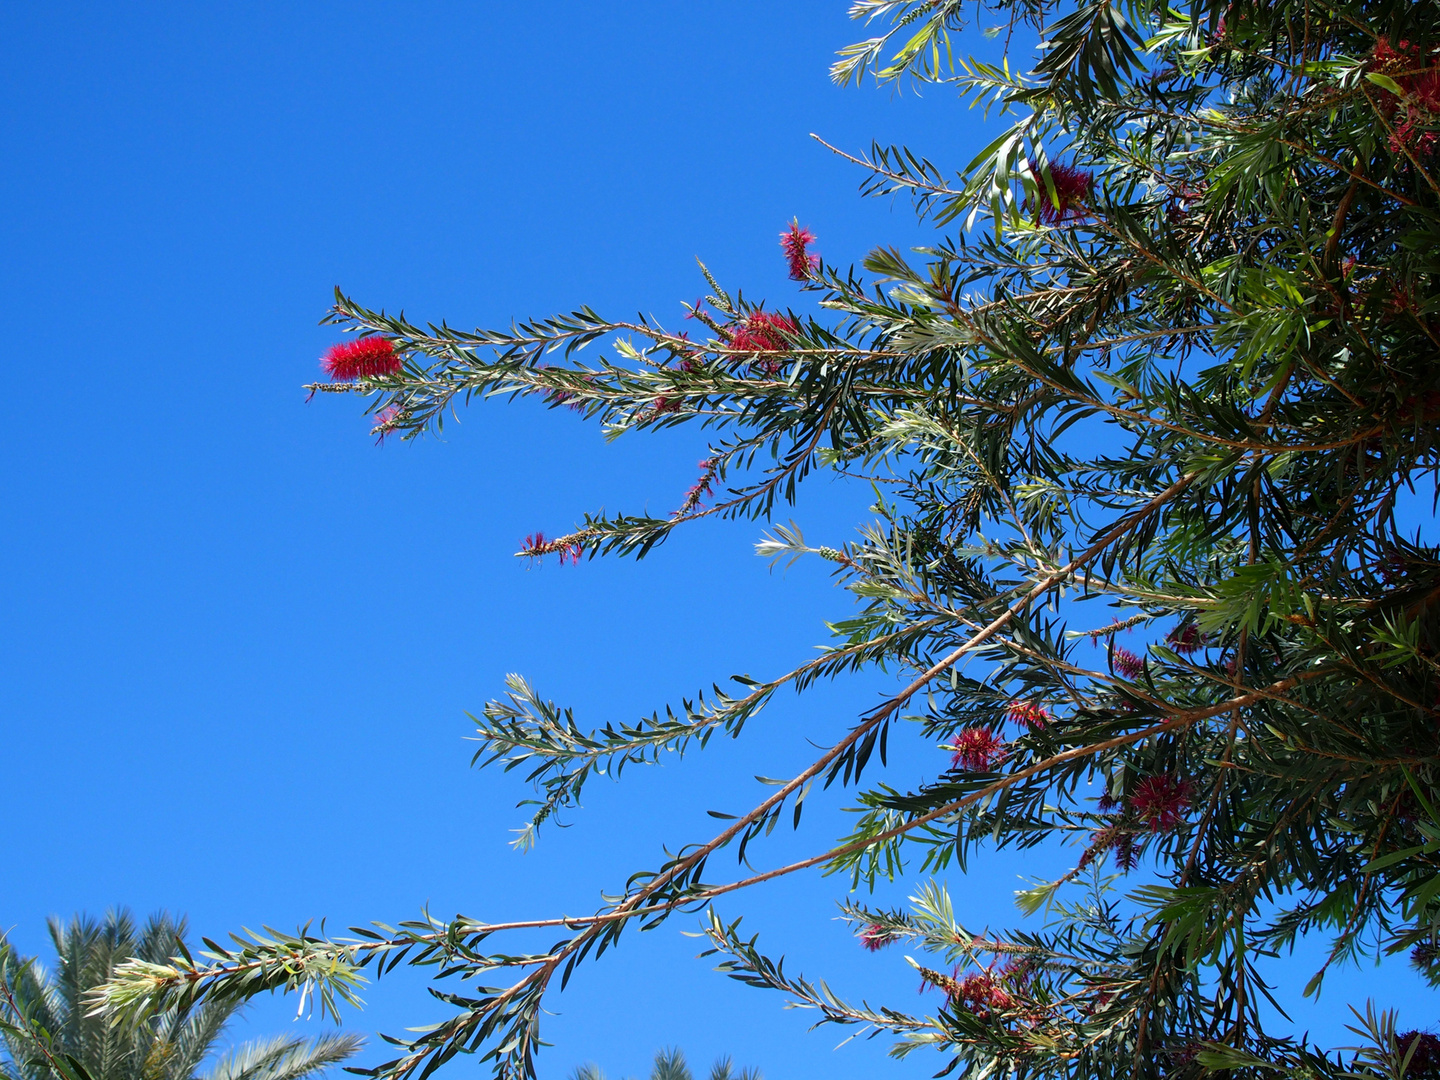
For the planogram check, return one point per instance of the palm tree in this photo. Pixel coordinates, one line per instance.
(670, 1065)
(45, 1030)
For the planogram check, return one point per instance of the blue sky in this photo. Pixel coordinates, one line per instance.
(241, 639)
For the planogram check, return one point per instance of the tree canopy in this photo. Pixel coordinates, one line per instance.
(1152, 419)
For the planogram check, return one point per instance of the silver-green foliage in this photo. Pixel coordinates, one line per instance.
(49, 1032)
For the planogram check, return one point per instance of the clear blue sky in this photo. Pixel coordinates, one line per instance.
(240, 639)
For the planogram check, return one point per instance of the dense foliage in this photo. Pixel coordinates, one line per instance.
(47, 1034)
(1154, 418)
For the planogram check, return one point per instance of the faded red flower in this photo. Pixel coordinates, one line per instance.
(1425, 1057)
(667, 404)
(384, 423)
(1072, 189)
(701, 487)
(1028, 713)
(1184, 1055)
(1126, 662)
(559, 396)
(1161, 802)
(363, 358)
(536, 546)
(689, 358)
(1114, 838)
(875, 937)
(795, 241)
(1126, 853)
(1423, 407)
(567, 398)
(1401, 300)
(980, 992)
(977, 749)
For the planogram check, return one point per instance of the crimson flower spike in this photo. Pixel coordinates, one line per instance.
(363, 358)
(977, 749)
(1072, 190)
(1161, 801)
(795, 241)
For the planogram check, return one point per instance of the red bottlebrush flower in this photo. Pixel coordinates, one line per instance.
(1106, 802)
(875, 937)
(1186, 639)
(977, 749)
(1028, 713)
(1386, 55)
(794, 241)
(1425, 89)
(1072, 189)
(363, 358)
(1126, 662)
(667, 404)
(763, 331)
(1425, 1056)
(1161, 802)
(1406, 139)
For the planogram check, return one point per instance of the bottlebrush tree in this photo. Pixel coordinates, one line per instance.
(1153, 414)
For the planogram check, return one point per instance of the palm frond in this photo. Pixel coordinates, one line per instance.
(285, 1058)
(670, 1064)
